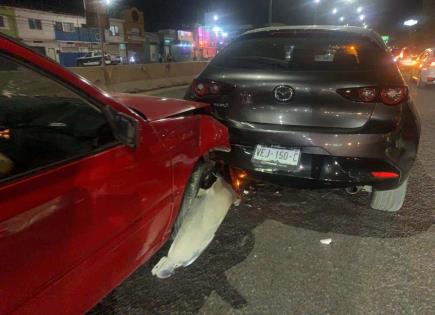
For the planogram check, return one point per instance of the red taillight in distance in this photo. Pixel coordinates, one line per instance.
(390, 96)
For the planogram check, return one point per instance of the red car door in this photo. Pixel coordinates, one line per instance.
(71, 195)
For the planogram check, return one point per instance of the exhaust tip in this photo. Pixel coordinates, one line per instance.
(354, 190)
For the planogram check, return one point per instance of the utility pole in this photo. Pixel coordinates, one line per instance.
(270, 11)
(98, 6)
(101, 31)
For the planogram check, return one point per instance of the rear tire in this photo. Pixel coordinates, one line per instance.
(389, 200)
(202, 178)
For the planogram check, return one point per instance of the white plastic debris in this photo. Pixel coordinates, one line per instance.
(198, 229)
(326, 241)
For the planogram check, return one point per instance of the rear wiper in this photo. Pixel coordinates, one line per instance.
(263, 60)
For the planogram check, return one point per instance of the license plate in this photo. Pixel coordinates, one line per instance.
(277, 156)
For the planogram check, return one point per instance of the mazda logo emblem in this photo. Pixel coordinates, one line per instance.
(283, 93)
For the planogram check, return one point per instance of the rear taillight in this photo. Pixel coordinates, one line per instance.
(201, 89)
(214, 88)
(385, 175)
(394, 96)
(206, 88)
(388, 95)
(367, 94)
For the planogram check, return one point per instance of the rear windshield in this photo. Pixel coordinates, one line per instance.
(328, 52)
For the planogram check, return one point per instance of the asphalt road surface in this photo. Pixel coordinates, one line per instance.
(268, 257)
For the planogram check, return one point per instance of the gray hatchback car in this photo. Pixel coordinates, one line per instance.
(315, 107)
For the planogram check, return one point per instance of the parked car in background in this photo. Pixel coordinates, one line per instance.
(116, 59)
(93, 58)
(407, 58)
(315, 106)
(423, 71)
(91, 184)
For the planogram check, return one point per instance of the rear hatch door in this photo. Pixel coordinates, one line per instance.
(265, 69)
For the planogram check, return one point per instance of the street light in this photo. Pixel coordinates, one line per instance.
(103, 4)
(215, 17)
(359, 10)
(362, 17)
(335, 11)
(410, 22)
(342, 19)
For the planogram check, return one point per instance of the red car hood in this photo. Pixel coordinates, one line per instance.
(155, 108)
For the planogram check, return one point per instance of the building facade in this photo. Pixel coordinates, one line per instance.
(115, 43)
(152, 47)
(38, 29)
(75, 42)
(134, 32)
(176, 45)
(209, 40)
(64, 37)
(183, 49)
(8, 23)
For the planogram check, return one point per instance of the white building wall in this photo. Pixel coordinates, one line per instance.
(45, 37)
(48, 20)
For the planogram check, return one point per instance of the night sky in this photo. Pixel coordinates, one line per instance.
(384, 15)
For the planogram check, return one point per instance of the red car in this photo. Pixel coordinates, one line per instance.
(90, 184)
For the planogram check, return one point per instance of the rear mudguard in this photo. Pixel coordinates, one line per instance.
(189, 139)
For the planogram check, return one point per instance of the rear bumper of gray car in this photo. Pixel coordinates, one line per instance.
(328, 159)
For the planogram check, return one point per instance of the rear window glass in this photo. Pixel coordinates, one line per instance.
(304, 52)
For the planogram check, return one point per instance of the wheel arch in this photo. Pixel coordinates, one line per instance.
(190, 141)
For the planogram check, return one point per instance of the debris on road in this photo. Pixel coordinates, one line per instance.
(326, 241)
(198, 229)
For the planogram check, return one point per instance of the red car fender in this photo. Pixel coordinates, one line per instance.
(189, 139)
(213, 136)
